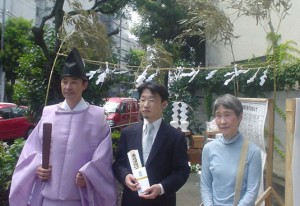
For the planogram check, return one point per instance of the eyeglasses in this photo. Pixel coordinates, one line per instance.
(151, 101)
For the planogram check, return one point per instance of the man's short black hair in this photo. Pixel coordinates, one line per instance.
(155, 88)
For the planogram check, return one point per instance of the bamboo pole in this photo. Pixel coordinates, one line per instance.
(263, 196)
(290, 129)
(270, 148)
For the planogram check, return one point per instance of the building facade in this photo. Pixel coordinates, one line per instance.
(252, 41)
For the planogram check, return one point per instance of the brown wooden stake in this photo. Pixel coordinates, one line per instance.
(47, 129)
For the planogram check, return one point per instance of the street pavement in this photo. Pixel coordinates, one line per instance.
(189, 194)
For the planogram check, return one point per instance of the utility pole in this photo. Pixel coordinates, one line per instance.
(2, 77)
(120, 42)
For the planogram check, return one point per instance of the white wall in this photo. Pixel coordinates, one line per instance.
(252, 37)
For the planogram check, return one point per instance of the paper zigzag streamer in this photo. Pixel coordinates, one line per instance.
(229, 80)
(235, 73)
(141, 77)
(174, 76)
(102, 76)
(179, 74)
(253, 77)
(263, 78)
(211, 74)
(195, 74)
(188, 74)
(151, 77)
(91, 74)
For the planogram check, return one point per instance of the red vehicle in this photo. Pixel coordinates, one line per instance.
(121, 111)
(13, 122)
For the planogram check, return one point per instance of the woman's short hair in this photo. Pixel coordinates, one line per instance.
(229, 101)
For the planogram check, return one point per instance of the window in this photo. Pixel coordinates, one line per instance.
(6, 113)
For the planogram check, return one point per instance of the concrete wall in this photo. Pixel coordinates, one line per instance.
(252, 37)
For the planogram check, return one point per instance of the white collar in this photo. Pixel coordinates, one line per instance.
(80, 106)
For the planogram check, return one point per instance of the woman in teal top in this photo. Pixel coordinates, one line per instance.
(220, 159)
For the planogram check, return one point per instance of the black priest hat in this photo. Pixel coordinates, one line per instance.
(74, 66)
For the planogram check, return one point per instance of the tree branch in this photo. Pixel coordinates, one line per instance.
(115, 32)
(38, 32)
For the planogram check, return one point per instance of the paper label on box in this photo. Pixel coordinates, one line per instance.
(141, 175)
(138, 171)
(134, 159)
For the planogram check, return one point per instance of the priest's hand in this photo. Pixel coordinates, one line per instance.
(80, 181)
(131, 182)
(43, 174)
(151, 192)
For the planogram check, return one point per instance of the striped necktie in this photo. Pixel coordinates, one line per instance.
(147, 141)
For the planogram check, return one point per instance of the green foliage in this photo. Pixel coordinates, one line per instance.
(215, 84)
(33, 77)
(260, 10)
(85, 32)
(180, 92)
(208, 101)
(196, 168)
(280, 112)
(8, 159)
(278, 147)
(205, 20)
(160, 21)
(287, 75)
(115, 136)
(284, 53)
(135, 57)
(31, 88)
(17, 37)
(160, 57)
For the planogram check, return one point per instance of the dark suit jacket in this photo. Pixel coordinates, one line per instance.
(167, 163)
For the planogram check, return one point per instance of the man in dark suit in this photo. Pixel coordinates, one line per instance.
(167, 164)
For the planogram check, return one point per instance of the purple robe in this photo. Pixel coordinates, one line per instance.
(81, 141)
